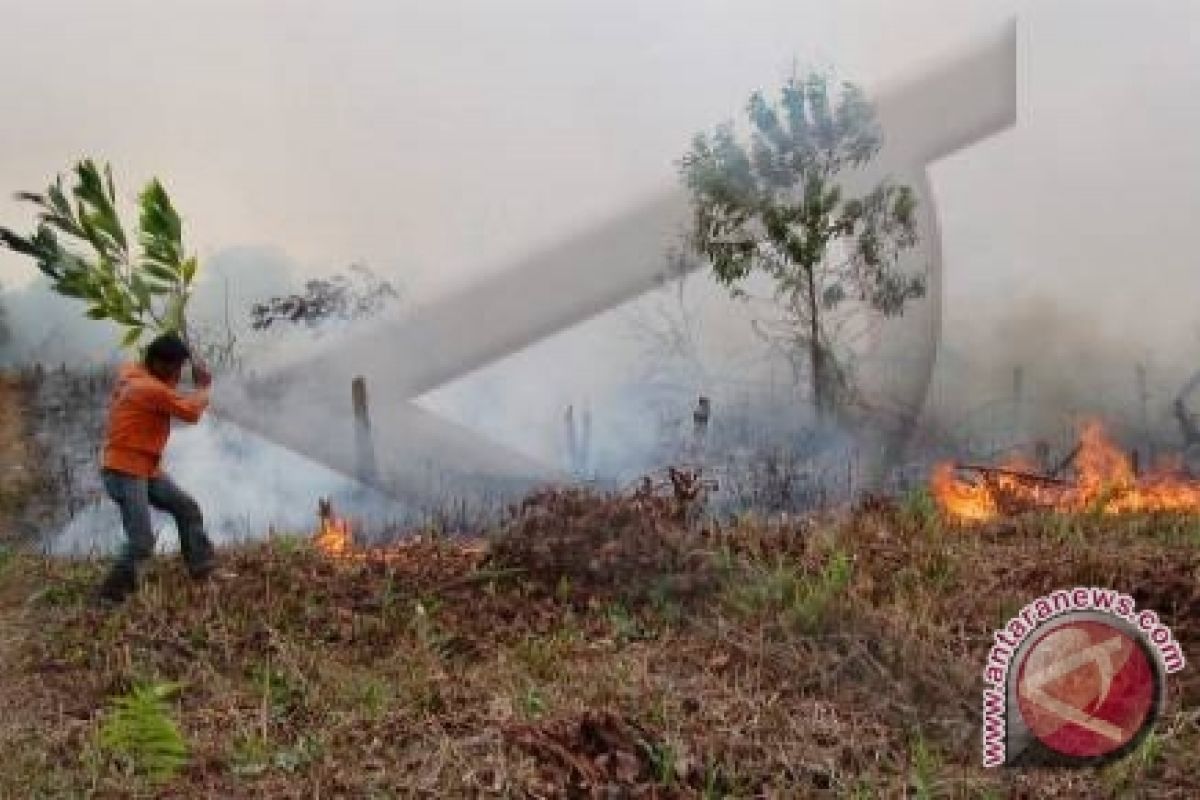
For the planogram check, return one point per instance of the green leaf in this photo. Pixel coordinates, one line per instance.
(161, 228)
(97, 211)
(173, 319)
(63, 217)
(189, 270)
(162, 272)
(131, 337)
(70, 290)
(141, 290)
(18, 244)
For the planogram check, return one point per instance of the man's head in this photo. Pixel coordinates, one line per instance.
(165, 357)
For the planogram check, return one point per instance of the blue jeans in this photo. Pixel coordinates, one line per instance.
(135, 496)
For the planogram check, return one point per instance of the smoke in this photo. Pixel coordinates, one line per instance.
(1086, 202)
(49, 328)
(1038, 368)
(43, 327)
(246, 486)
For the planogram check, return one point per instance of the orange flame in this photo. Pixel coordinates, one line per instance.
(335, 538)
(1105, 482)
(960, 499)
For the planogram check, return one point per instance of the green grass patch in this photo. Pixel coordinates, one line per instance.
(919, 510)
(802, 598)
(926, 769)
(7, 557)
(140, 733)
(542, 656)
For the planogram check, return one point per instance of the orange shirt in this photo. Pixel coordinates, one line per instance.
(139, 420)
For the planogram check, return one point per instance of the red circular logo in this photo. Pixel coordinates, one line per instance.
(1087, 688)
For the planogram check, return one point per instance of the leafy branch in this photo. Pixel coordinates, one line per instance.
(82, 247)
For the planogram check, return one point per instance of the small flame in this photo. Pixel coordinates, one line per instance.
(1105, 482)
(335, 539)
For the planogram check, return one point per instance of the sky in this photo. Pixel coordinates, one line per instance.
(433, 139)
(438, 141)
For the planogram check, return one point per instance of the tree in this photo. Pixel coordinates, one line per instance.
(775, 205)
(340, 298)
(82, 247)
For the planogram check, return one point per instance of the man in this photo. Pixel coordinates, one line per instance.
(144, 401)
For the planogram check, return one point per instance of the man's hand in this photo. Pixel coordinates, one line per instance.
(200, 375)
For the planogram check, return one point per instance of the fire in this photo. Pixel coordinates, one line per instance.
(1105, 482)
(959, 499)
(335, 538)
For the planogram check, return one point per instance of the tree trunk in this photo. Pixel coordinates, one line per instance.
(366, 468)
(815, 355)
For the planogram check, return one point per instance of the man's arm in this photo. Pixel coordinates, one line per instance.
(188, 407)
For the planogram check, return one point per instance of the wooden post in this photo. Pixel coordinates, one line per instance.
(585, 438)
(1144, 412)
(67, 486)
(700, 418)
(572, 438)
(364, 447)
(1018, 410)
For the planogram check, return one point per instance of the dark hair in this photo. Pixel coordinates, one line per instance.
(168, 349)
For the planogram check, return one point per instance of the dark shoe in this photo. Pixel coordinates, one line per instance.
(116, 588)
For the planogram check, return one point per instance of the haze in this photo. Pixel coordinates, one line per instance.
(437, 141)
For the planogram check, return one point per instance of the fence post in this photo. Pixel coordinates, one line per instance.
(364, 447)
(1144, 412)
(572, 439)
(1018, 409)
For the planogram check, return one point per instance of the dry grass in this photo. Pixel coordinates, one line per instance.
(603, 646)
(837, 657)
(18, 478)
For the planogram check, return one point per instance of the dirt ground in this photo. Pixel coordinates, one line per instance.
(840, 658)
(18, 482)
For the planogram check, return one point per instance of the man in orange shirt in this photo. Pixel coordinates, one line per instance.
(144, 401)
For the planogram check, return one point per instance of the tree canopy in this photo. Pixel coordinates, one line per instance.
(773, 203)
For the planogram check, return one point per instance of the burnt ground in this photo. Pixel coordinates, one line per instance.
(595, 646)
